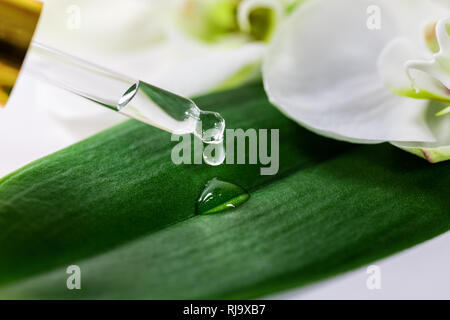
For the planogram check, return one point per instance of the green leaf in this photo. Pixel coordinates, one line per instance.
(117, 206)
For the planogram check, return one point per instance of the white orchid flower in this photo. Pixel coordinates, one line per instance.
(186, 46)
(335, 72)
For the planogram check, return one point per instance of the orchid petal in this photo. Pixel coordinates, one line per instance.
(406, 72)
(321, 71)
(206, 68)
(77, 26)
(440, 127)
(443, 3)
(396, 69)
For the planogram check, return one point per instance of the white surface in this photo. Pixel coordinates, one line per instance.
(421, 272)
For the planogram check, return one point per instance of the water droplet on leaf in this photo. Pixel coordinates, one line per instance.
(219, 196)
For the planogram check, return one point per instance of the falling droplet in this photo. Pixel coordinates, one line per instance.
(214, 154)
(219, 196)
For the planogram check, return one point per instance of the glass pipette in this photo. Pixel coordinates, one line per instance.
(130, 97)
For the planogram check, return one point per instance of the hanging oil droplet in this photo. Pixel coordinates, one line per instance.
(210, 127)
(219, 196)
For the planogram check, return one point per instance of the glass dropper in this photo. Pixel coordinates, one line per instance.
(130, 97)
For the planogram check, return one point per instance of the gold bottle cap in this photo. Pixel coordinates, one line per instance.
(18, 20)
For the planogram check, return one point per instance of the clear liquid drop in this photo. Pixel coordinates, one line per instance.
(210, 127)
(214, 154)
(218, 196)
